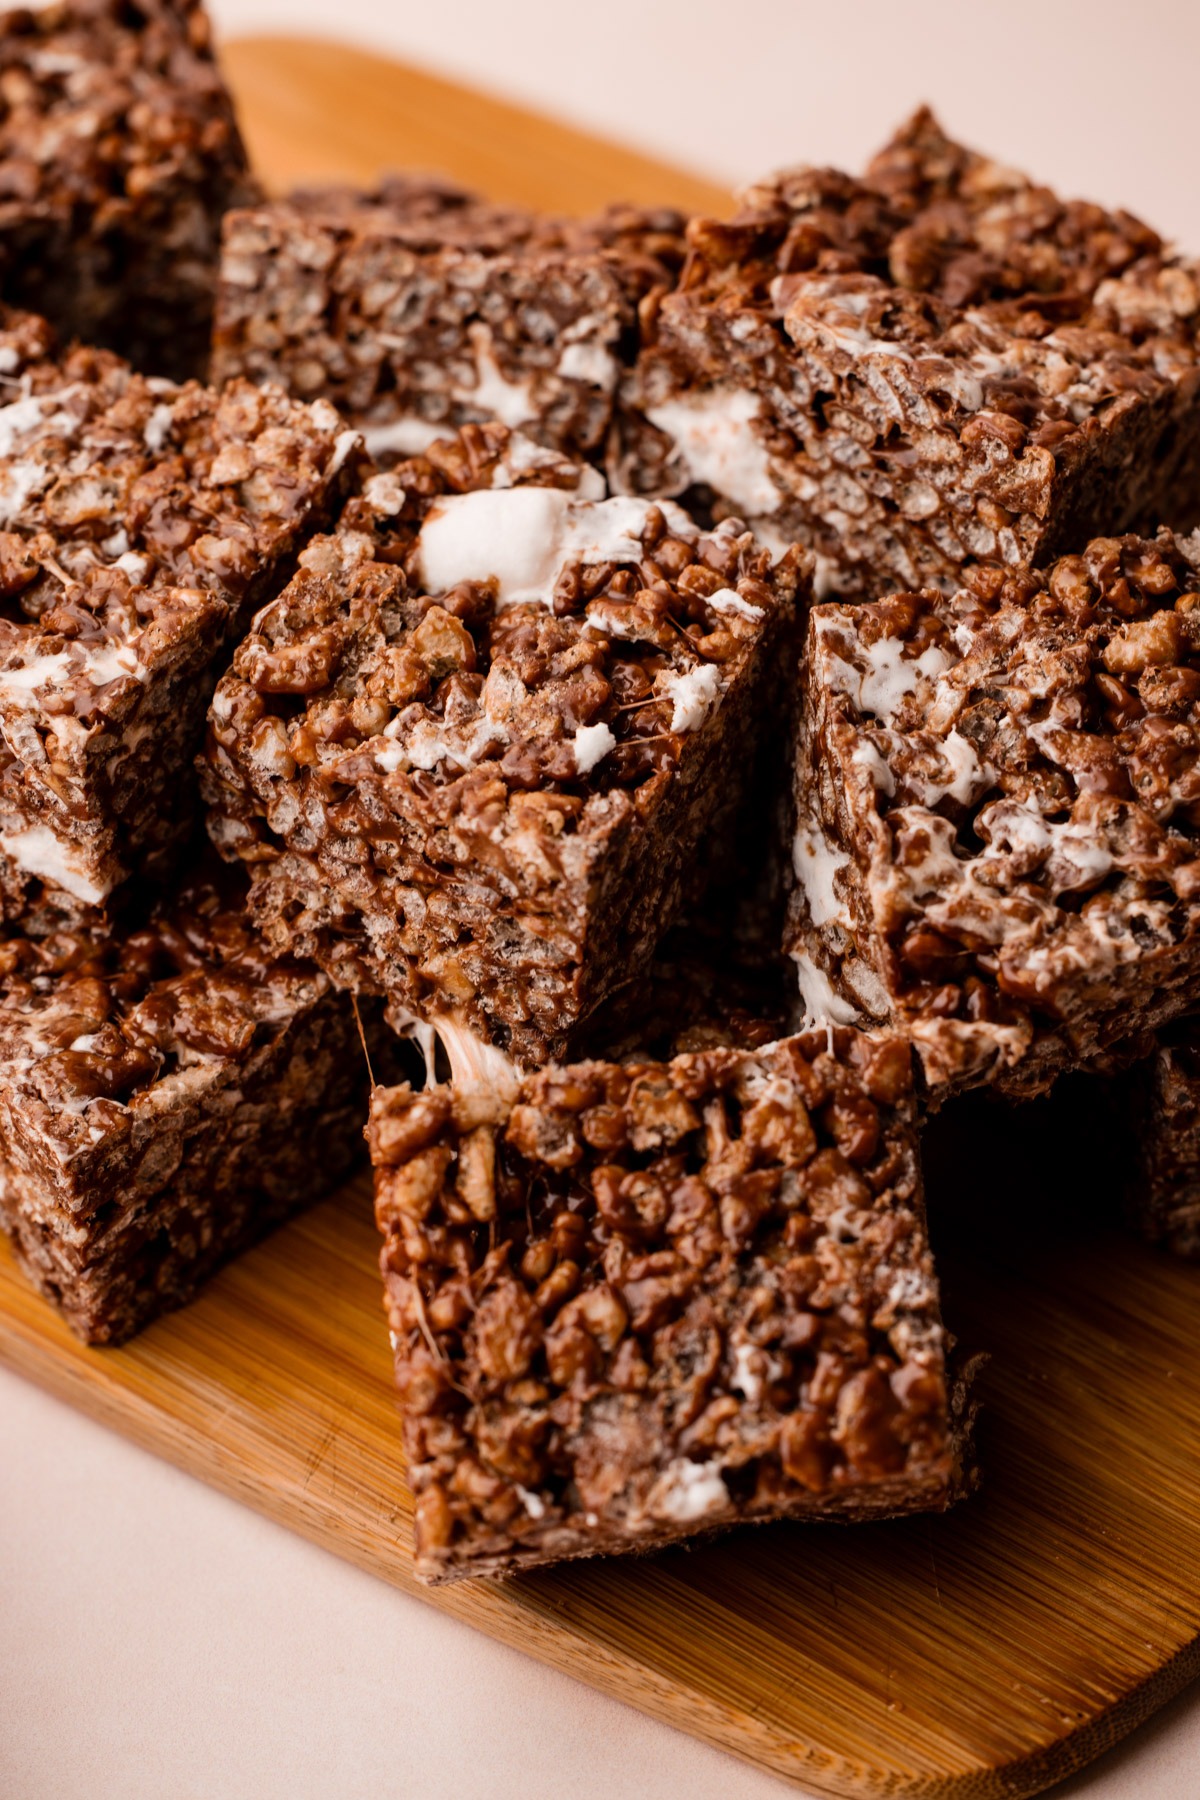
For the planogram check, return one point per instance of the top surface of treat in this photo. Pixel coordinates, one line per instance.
(976, 230)
(485, 616)
(104, 105)
(97, 1022)
(939, 252)
(428, 213)
(931, 217)
(1022, 769)
(424, 212)
(116, 489)
(686, 1289)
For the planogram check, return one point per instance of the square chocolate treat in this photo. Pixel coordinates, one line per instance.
(637, 1302)
(417, 308)
(168, 1093)
(495, 732)
(141, 524)
(119, 152)
(939, 363)
(1165, 1191)
(999, 796)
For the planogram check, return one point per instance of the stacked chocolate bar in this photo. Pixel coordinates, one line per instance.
(940, 363)
(144, 524)
(119, 154)
(480, 750)
(475, 605)
(168, 1092)
(635, 1301)
(996, 796)
(417, 308)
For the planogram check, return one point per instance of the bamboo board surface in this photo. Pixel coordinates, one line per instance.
(322, 111)
(988, 1652)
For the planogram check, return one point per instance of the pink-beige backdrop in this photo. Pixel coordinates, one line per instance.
(159, 1643)
(1097, 96)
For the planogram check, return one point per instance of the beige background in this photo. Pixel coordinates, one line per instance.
(156, 1641)
(159, 1642)
(1097, 96)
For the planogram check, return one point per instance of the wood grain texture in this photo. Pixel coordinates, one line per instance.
(986, 1653)
(314, 110)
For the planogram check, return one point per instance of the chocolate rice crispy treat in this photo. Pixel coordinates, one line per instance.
(633, 1303)
(481, 750)
(168, 1093)
(416, 308)
(119, 152)
(998, 795)
(1165, 1091)
(939, 363)
(141, 524)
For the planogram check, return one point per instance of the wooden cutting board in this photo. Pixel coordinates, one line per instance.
(987, 1652)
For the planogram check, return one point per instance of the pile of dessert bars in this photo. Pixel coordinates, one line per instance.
(693, 696)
